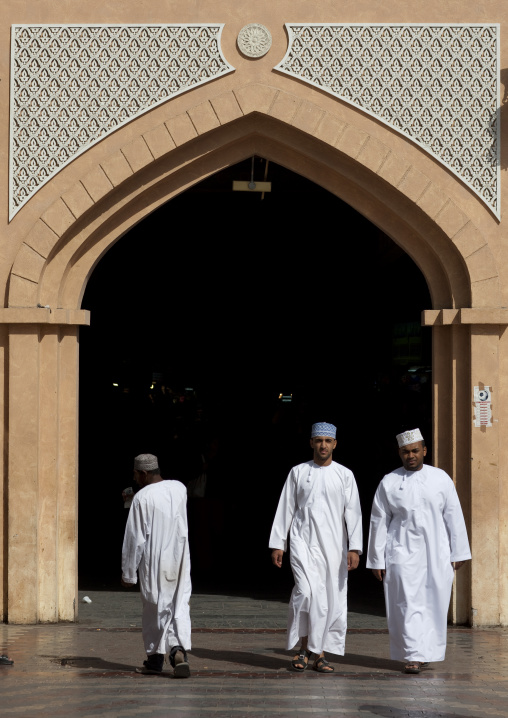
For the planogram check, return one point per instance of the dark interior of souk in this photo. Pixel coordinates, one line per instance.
(224, 325)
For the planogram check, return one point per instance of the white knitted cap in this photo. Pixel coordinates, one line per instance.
(145, 462)
(409, 437)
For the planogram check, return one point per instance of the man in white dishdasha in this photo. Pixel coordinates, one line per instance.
(417, 538)
(156, 544)
(320, 508)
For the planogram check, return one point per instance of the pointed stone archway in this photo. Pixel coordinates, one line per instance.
(63, 246)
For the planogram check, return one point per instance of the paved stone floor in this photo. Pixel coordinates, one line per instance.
(239, 668)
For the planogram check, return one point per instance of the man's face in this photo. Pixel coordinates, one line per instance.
(412, 456)
(323, 447)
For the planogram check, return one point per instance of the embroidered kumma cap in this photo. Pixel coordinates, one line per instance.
(145, 462)
(409, 437)
(323, 429)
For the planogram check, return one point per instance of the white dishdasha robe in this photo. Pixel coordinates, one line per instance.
(156, 544)
(320, 508)
(416, 530)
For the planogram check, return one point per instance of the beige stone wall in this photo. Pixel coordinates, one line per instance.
(49, 249)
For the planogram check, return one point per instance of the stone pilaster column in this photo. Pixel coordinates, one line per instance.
(469, 351)
(452, 433)
(4, 346)
(42, 445)
(486, 506)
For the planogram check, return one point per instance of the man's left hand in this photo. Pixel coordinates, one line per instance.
(127, 585)
(353, 559)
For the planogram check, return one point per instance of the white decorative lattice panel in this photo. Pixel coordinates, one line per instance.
(436, 84)
(71, 85)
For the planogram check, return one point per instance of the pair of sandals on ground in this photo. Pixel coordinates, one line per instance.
(321, 665)
(301, 661)
(177, 657)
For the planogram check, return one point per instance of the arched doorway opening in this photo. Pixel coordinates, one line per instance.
(272, 313)
(111, 194)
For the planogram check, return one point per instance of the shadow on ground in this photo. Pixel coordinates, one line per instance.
(355, 659)
(98, 664)
(391, 712)
(255, 660)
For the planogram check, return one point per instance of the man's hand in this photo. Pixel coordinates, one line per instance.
(379, 573)
(127, 585)
(353, 559)
(277, 554)
(457, 564)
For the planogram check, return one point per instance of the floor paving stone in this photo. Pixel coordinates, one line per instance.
(240, 668)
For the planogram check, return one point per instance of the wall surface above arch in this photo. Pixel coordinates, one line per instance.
(435, 84)
(67, 39)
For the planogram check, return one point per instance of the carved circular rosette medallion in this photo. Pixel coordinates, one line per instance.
(254, 40)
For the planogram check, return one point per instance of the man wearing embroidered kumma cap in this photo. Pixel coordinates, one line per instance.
(156, 545)
(320, 508)
(417, 538)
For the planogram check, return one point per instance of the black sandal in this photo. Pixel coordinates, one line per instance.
(6, 661)
(153, 664)
(322, 666)
(301, 661)
(181, 669)
(412, 667)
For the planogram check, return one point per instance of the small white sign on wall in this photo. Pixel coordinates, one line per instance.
(482, 406)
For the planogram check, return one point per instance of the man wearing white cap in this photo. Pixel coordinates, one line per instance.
(417, 538)
(156, 544)
(320, 508)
